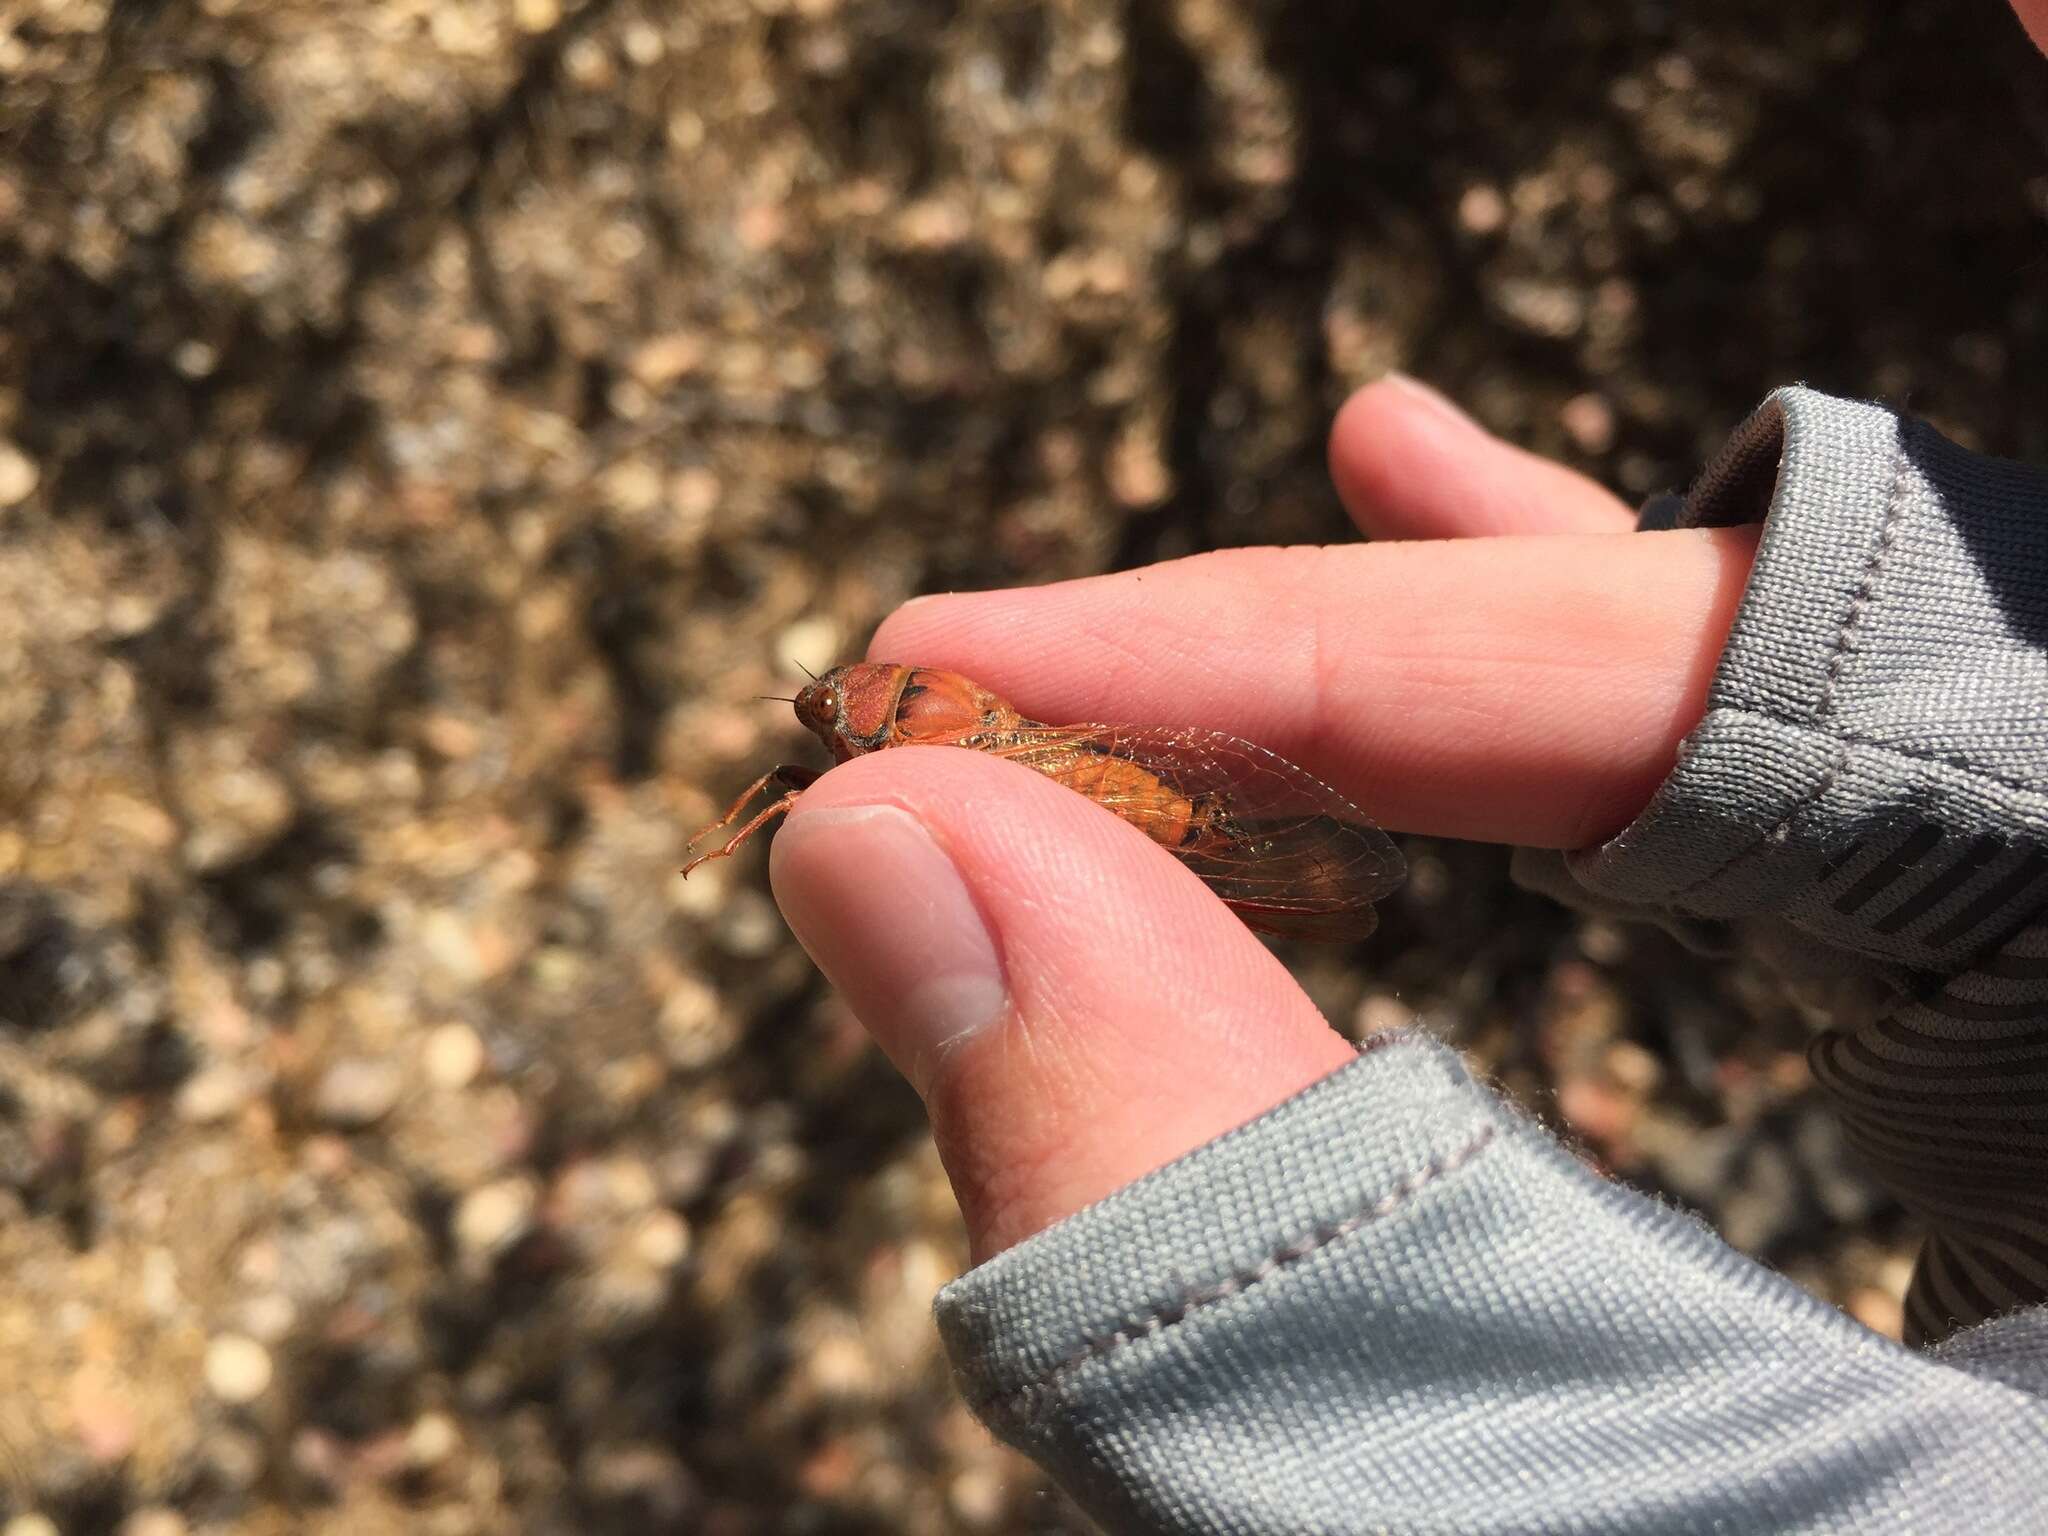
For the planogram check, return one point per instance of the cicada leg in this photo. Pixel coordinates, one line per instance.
(794, 778)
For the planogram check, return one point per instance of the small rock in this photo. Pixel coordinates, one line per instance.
(454, 1056)
(1378, 1014)
(490, 1220)
(1877, 1310)
(1138, 476)
(30, 1525)
(749, 926)
(102, 1418)
(234, 1459)
(642, 1482)
(451, 945)
(432, 1439)
(1482, 209)
(233, 803)
(976, 1497)
(213, 1093)
(269, 1316)
(661, 360)
(19, 476)
(1635, 1069)
(934, 224)
(808, 643)
(662, 1240)
(358, 1092)
(238, 1369)
(320, 1458)
(696, 1029)
(1589, 421)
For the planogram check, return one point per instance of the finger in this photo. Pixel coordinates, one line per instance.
(1411, 465)
(1074, 1006)
(2034, 17)
(1528, 691)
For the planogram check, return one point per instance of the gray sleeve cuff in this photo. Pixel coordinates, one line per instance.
(1391, 1304)
(1864, 808)
(1872, 769)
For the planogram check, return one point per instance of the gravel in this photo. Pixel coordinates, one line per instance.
(425, 429)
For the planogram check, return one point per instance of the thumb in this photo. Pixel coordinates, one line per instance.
(1074, 1006)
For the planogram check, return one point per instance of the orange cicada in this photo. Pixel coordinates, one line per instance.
(1286, 852)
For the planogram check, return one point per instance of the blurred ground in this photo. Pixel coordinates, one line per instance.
(425, 425)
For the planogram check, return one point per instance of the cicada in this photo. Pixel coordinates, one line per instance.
(1285, 851)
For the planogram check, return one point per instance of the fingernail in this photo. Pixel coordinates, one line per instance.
(1438, 403)
(882, 909)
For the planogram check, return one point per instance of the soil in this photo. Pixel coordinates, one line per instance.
(426, 425)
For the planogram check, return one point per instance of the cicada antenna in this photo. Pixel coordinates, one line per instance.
(774, 698)
(807, 672)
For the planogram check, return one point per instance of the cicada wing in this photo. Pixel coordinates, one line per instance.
(1288, 853)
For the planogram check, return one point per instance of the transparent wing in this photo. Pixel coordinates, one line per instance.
(1287, 852)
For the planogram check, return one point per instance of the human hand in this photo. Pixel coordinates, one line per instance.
(1074, 1006)
(2034, 17)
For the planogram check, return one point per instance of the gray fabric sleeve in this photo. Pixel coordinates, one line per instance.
(1390, 1304)
(1865, 807)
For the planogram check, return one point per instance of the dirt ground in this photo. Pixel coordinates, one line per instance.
(425, 425)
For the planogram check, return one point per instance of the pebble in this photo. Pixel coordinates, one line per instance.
(235, 1459)
(1378, 1014)
(1482, 209)
(661, 360)
(1589, 421)
(358, 1092)
(214, 1093)
(644, 1482)
(102, 1418)
(30, 1525)
(454, 1056)
(432, 1439)
(1877, 1310)
(976, 1497)
(812, 643)
(663, 1239)
(238, 1369)
(19, 476)
(269, 1316)
(695, 1028)
(750, 926)
(492, 1219)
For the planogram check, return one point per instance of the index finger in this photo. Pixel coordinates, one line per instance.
(1523, 690)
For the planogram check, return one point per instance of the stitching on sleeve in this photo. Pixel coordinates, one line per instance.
(1940, 759)
(1775, 833)
(1195, 1300)
(1866, 589)
(1839, 652)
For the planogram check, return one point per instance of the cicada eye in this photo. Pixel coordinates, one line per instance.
(828, 704)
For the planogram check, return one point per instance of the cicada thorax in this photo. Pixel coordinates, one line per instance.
(936, 706)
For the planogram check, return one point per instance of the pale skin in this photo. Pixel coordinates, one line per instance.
(1511, 662)
(1527, 686)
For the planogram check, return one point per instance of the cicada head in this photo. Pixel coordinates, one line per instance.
(852, 709)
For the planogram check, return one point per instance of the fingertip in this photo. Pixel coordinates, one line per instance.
(1410, 464)
(1371, 447)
